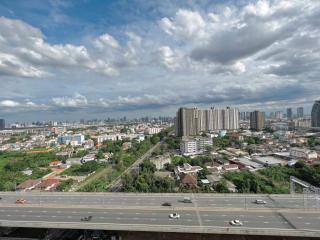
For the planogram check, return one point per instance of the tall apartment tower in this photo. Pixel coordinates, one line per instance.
(2, 124)
(315, 114)
(257, 120)
(193, 121)
(289, 113)
(300, 112)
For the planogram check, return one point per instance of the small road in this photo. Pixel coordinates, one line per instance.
(116, 184)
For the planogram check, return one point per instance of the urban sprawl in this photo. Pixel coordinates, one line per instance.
(200, 150)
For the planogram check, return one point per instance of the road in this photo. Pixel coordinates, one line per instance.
(115, 185)
(137, 219)
(241, 201)
(208, 213)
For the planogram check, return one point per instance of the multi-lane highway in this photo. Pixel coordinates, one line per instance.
(154, 200)
(208, 213)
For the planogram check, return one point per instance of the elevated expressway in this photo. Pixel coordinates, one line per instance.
(283, 215)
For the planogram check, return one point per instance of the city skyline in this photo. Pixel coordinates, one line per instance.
(60, 61)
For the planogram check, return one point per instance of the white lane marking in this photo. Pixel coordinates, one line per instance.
(223, 215)
(8, 215)
(120, 213)
(206, 215)
(153, 214)
(74, 212)
(138, 213)
(101, 217)
(188, 214)
(299, 217)
(307, 223)
(105, 212)
(38, 216)
(53, 216)
(229, 204)
(265, 222)
(260, 216)
(43, 211)
(207, 220)
(69, 217)
(23, 215)
(29, 211)
(118, 218)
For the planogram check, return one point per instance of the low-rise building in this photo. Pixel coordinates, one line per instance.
(187, 169)
(192, 146)
(189, 180)
(230, 167)
(303, 153)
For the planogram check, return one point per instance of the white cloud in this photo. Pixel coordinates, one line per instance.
(106, 40)
(9, 103)
(185, 25)
(77, 100)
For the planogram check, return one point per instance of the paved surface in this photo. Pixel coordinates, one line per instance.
(153, 200)
(154, 218)
(208, 213)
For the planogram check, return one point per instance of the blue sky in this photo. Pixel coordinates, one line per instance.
(91, 58)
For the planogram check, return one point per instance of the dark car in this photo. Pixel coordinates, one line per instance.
(166, 204)
(86, 219)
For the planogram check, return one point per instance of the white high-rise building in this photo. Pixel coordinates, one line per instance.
(193, 121)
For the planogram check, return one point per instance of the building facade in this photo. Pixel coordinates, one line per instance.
(257, 120)
(194, 121)
(315, 114)
(191, 146)
(300, 113)
(289, 113)
(2, 124)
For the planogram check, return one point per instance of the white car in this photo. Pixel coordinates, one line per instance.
(174, 216)
(259, 201)
(236, 222)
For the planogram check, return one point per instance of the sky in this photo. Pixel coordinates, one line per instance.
(66, 60)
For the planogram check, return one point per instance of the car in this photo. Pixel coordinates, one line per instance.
(236, 222)
(21, 201)
(259, 201)
(174, 216)
(187, 200)
(166, 204)
(86, 219)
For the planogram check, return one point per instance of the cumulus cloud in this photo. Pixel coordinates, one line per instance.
(9, 103)
(77, 100)
(185, 24)
(260, 51)
(25, 52)
(106, 40)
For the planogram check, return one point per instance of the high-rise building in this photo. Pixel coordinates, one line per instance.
(257, 120)
(289, 113)
(315, 114)
(278, 115)
(300, 112)
(193, 121)
(2, 124)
